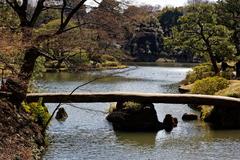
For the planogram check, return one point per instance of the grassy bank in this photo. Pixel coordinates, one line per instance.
(86, 63)
(202, 81)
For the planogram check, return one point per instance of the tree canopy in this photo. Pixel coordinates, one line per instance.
(200, 32)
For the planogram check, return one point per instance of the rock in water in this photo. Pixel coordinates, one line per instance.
(169, 122)
(189, 117)
(61, 114)
(131, 116)
(224, 118)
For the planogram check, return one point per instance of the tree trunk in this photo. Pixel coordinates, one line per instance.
(27, 67)
(214, 63)
(18, 86)
(211, 55)
(236, 40)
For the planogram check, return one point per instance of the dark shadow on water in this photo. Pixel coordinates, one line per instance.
(137, 138)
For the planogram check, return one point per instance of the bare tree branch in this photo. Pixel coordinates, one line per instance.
(69, 16)
(37, 12)
(24, 5)
(63, 10)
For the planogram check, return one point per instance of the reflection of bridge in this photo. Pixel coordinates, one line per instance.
(134, 96)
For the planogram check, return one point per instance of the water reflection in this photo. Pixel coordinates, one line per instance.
(87, 135)
(142, 139)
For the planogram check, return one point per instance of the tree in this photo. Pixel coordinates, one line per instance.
(146, 42)
(28, 19)
(229, 15)
(197, 1)
(168, 18)
(200, 32)
(106, 19)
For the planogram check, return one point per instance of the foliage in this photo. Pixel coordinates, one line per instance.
(168, 18)
(130, 105)
(39, 69)
(232, 91)
(199, 72)
(228, 15)
(205, 111)
(110, 64)
(38, 112)
(200, 32)
(107, 57)
(209, 85)
(8, 18)
(78, 57)
(228, 74)
(133, 106)
(11, 44)
(50, 27)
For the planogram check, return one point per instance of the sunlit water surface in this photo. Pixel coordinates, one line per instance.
(87, 135)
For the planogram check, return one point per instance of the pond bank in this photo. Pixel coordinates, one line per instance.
(20, 137)
(87, 135)
(224, 117)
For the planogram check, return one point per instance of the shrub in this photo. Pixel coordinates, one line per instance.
(106, 57)
(110, 64)
(38, 112)
(199, 72)
(80, 57)
(133, 106)
(205, 111)
(209, 85)
(228, 74)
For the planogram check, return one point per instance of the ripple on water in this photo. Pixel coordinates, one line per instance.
(87, 135)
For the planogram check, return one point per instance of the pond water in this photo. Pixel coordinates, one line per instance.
(87, 135)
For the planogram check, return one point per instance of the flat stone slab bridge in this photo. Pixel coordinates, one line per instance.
(91, 97)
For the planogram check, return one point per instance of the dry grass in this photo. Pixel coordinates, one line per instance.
(233, 90)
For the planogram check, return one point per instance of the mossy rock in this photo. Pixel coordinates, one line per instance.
(132, 116)
(61, 114)
(224, 117)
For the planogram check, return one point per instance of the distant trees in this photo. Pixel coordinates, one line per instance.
(168, 18)
(204, 28)
(229, 15)
(28, 18)
(199, 31)
(196, 1)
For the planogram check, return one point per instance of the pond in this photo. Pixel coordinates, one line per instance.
(87, 135)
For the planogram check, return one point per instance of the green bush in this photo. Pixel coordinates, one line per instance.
(110, 64)
(199, 72)
(133, 106)
(209, 85)
(80, 57)
(205, 111)
(38, 112)
(106, 57)
(228, 74)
